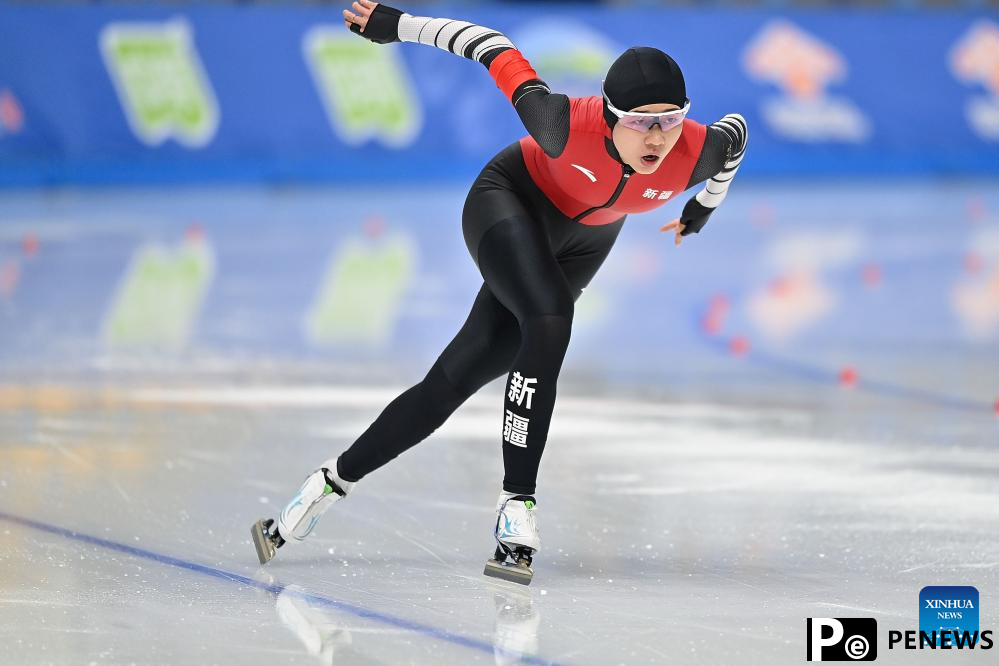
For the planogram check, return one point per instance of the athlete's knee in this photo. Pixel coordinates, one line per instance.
(550, 331)
(440, 393)
(557, 302)
(466, 367)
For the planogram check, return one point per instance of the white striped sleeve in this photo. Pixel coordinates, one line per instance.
(461, 38)
(716, 187)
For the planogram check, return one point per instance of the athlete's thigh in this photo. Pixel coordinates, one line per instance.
(584, 257)
(508, 238)
(518, 264)
(485, 346)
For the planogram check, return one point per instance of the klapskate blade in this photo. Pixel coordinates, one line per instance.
(265, 549)
(515, 573)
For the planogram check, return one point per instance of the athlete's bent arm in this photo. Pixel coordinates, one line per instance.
(724, 147)
(545, 115)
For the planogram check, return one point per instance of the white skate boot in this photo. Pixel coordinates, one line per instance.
(321, 489)
(517, 538)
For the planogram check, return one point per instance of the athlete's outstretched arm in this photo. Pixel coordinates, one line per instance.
(721, 155)
(545, 115)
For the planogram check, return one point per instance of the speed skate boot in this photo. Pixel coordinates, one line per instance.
(321, 489)
(517, 539)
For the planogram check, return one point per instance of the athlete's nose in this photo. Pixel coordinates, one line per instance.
(654, 137)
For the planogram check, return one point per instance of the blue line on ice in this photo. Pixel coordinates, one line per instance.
(327, 602)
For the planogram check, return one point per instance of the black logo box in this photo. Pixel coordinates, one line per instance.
(859, 640)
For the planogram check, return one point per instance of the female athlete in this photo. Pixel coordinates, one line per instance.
(538, 221)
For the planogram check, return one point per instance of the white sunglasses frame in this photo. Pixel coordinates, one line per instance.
(682, 112)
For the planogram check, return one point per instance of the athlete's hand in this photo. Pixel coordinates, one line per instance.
(693, 218)
(676, 225)
(360, 19)
(374, 21)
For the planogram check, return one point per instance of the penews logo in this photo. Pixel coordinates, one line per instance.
(803, 67)
(842, 639)
(974, 60)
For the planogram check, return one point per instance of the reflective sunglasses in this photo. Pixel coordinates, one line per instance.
(643, 122)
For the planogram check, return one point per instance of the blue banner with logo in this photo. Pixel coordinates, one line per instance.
(157, 93)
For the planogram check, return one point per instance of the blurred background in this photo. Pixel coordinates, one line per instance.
(230, 233)
(246, 187)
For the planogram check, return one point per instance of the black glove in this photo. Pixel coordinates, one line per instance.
(382, 27)
(694, 216)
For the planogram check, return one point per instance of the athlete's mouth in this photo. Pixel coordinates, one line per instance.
(651, 158)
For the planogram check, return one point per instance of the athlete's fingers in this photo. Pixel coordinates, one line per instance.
(350, 17)
(361, 9)
(369, 4)
(677, 227)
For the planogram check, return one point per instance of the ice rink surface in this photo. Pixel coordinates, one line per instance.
(673, 533)
(698, 523)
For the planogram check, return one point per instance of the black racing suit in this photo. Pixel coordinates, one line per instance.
(535, 262)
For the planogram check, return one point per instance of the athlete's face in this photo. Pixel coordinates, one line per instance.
(645, 151)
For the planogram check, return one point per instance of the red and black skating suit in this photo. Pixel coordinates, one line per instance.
(588, 183)
(539, 220)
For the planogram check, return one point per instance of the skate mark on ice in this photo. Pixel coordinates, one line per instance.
(742, 583)
(426, 549)
(439, 504)
(919, 566)
(315, 599)
(70, 455)
(121, 492)
(858, 609)
(42, 602)
(413, 520)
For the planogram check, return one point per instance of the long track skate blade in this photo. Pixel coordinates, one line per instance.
(263, 544)
(515, 573)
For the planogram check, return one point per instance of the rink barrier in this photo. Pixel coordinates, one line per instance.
(274, 589)
(825, 91)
